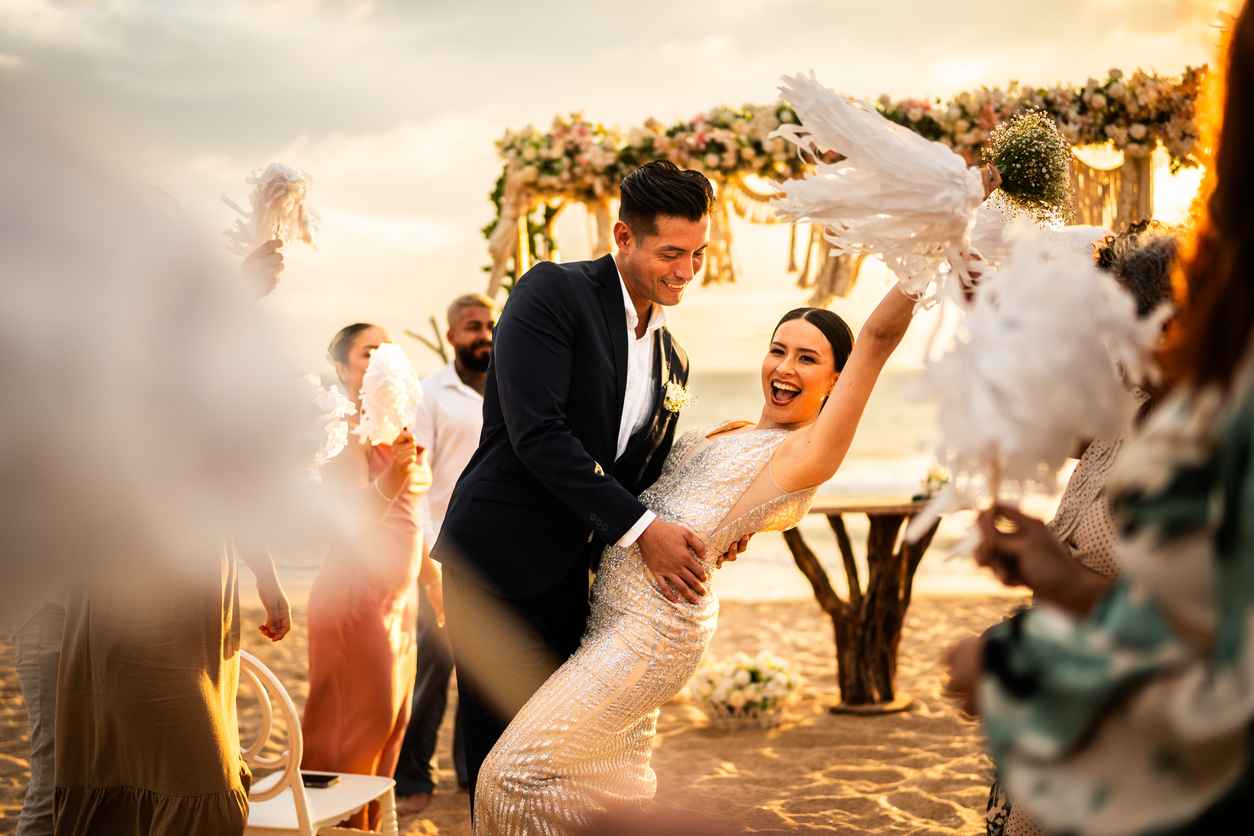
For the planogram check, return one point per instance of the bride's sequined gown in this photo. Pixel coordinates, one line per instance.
(583, 742)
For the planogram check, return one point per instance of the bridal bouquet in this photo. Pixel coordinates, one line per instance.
(746, 691)
(390, 394)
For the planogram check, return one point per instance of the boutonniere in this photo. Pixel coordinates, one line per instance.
(676, 397)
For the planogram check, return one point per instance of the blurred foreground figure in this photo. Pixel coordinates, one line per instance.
(1135, 713)
(151, 432)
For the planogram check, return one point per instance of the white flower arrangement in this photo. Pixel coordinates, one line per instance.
(745, 691)
(390, 395)
(676, 397)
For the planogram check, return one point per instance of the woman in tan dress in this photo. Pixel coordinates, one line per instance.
(363, 606)
(147, 740)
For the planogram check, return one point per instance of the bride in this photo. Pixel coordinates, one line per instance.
(583, 742)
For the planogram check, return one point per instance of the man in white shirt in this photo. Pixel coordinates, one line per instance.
(447, 426)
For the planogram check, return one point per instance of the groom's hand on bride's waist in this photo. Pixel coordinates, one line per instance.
(673, 554)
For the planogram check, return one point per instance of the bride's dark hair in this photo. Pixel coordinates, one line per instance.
(835, 329)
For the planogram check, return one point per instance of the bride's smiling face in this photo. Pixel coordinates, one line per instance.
(798, 374)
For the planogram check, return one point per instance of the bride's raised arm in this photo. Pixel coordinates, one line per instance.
(812, 454)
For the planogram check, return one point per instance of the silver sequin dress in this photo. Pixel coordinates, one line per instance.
(583, 742)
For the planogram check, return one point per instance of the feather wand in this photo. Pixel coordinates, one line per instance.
(278, 209)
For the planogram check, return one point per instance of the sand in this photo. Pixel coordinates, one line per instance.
(917, 772)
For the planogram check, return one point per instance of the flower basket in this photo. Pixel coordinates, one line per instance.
(745, 692)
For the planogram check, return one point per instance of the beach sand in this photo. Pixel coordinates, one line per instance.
(917, 772)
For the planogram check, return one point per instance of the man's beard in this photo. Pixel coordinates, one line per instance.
(471, 358)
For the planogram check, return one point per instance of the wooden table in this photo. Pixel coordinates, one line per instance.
(868, 624)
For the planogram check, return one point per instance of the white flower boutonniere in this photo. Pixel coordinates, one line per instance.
(676, 397)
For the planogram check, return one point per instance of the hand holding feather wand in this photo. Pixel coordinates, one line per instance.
(277, 213)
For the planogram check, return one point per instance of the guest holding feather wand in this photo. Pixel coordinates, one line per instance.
(363, 605)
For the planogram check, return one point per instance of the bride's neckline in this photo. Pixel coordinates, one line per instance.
(736, 428)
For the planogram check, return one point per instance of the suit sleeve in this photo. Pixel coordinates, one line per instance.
(533, 354)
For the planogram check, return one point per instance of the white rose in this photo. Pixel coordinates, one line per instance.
(1116, 73)
(954, 112)
(530, 174)
(711, 160)
(736, 699)
(914, 114)
(529, 153)
(1118, 90)
(962, 126)
(1138, 131)
(742, 678)
(1098, 101)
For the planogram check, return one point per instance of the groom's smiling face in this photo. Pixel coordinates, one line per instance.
(658, 264)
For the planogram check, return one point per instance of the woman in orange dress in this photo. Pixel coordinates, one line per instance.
(363, 605)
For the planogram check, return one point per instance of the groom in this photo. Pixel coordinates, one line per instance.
(579, 414)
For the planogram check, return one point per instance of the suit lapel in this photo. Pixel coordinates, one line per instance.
(662, 373)
(611, 295)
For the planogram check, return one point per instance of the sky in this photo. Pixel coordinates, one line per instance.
(394, 107)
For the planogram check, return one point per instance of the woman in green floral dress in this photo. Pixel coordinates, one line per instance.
(1135, 714)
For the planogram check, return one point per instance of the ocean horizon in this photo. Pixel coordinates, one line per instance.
(889, 458)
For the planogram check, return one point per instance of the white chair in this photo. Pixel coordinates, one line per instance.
(280, 803)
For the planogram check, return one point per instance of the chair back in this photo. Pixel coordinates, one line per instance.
(271, 695)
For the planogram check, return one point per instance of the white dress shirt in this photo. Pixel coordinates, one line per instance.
(638, 403)
(447, 425)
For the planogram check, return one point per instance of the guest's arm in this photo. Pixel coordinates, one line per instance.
(431, 579)
(400, 473)
(1031, 556)
(812, 455)
(273, 598)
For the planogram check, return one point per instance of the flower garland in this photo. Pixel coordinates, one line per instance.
(578, 160)
(1133, 112)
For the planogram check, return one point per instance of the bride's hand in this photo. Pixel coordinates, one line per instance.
(734, 551)
(991, 177)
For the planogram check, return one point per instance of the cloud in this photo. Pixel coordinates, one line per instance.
(394, 106)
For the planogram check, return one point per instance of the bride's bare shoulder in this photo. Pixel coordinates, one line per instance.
(728, 427)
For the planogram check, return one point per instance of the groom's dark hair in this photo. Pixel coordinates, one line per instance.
(663, 188)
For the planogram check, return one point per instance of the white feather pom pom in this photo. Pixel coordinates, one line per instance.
(390, 395)
(1042, 361)
(895, 194)
(277, 210)
(334, 410)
